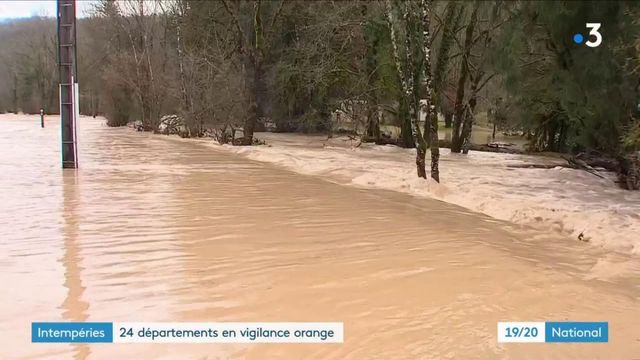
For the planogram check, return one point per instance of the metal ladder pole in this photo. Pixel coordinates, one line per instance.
(68, 81)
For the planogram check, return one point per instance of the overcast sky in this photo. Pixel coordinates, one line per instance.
(28, 8)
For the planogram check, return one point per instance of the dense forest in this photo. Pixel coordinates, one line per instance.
(217, 67)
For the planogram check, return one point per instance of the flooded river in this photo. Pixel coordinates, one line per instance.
(153, 229)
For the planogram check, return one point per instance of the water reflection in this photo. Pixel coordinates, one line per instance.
(74, 307)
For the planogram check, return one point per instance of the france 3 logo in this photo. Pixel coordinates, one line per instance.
(594, 35)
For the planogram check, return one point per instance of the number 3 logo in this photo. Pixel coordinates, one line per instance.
(594, 32)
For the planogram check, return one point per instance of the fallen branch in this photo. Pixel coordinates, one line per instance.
(492, 147)
(539, 166)
(581, 164)
(572, 163)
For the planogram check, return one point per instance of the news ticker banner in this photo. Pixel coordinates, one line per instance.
(200, 332)
(284, 332)
(553, 332)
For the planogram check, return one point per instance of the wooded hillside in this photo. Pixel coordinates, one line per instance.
(305, 65)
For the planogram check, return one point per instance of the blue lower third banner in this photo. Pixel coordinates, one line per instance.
(570, 331)
(71, 332)
(553, 332)
(212, 332)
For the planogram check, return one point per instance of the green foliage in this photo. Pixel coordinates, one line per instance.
(631, 140)
(574, 97)
(381, 69)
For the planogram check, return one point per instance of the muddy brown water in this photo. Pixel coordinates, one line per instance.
(153, 229)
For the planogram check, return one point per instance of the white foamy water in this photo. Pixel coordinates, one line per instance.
(562, 200)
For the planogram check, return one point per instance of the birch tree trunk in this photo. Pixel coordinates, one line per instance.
(431, 117)
(406, 129)
(413, 82)
(406, 80)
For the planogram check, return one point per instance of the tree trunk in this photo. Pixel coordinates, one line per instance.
(448, 119)
(15, 93)
(431, 116)
(421, 154)
(183, 80)
(630, 172)
(250, 121)
(256, 55)
(406, 135)
(406, 80)
(469, 117)
(403, 109)
(459, 107)
(373, 108)
(373, 122)
(466, 130)
(413, 93)
(452, 18)
(146, 113)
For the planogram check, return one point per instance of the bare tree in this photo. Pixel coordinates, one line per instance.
(253, 47)
(141, 63)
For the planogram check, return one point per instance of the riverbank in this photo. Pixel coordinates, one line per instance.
(571, 202)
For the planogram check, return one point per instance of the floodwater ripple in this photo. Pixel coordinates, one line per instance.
(151, 229)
